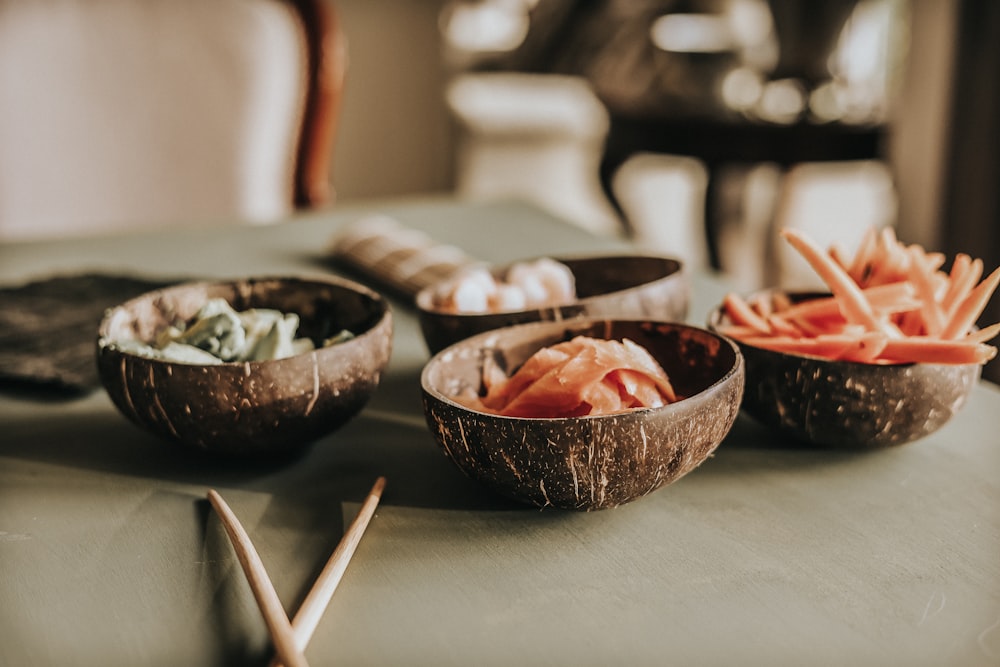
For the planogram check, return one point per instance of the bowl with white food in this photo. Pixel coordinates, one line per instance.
(545, 289)
(252, 368)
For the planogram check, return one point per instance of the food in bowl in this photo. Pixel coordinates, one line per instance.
(888, 356)
(575, 378)
(610, 286)
(248, 408)
(587, 462)
(218, 333)
(891, 303)
(528, 284)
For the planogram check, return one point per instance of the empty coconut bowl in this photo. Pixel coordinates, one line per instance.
(266, 408)
(591, 462)
(626, 286)
(850, 404)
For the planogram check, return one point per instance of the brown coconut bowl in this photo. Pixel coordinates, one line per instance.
(271, 408)
(628, 286)
(850, 404)
(586, 463)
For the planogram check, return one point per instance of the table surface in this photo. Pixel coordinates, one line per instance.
(769, 553)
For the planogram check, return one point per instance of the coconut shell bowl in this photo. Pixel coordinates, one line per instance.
(627, 286)
(850, 404)
(265, 407)
(589, 462)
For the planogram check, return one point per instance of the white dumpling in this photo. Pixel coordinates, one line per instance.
(472, 291)
(509, 297)
(557, 279)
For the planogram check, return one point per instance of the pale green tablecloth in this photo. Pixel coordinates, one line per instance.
(768, 554)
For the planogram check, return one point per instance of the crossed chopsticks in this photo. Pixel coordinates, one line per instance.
(291, 637)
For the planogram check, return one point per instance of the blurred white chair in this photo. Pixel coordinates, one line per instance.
(663, 199)
(746, 251)
(834, 203)
(535, 137)
(117, 114)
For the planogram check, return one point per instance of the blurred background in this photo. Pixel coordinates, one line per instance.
(695, 127)
(471, 95)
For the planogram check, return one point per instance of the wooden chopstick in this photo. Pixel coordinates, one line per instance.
(263, 590)
(308, 616)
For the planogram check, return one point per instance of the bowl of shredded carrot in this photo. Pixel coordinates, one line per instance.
(886, 356)
(585, 414)
(482, 298)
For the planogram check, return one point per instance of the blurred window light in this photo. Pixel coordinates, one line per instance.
(782, 101)
(486, 26)
(693, 33)
(862, 53)
(750, 22)
(742, 88)
(864, 65)
(827, 102)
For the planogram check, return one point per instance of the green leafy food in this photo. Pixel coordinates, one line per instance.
(218, 334)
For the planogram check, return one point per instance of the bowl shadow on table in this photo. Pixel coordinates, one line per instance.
(206, 581)
(342, 466)
(215, 590)
(229, 593)
(753, 447)
(347, 461)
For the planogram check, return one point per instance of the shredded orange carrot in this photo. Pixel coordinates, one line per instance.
(839, 254)
(937, 351)
(934, 260)
(761, 305)
(965, 273)
(922, 278)
(826, 346)
(864, 347)
(983, 335)
(891, 303)
(860, 266)
(853, 304)
(869, 346)
(783, 327)
(892, 297)
(738, 331)
(741, 313)
(972, 306)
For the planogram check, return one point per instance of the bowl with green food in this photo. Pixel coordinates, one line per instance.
(254, 367)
